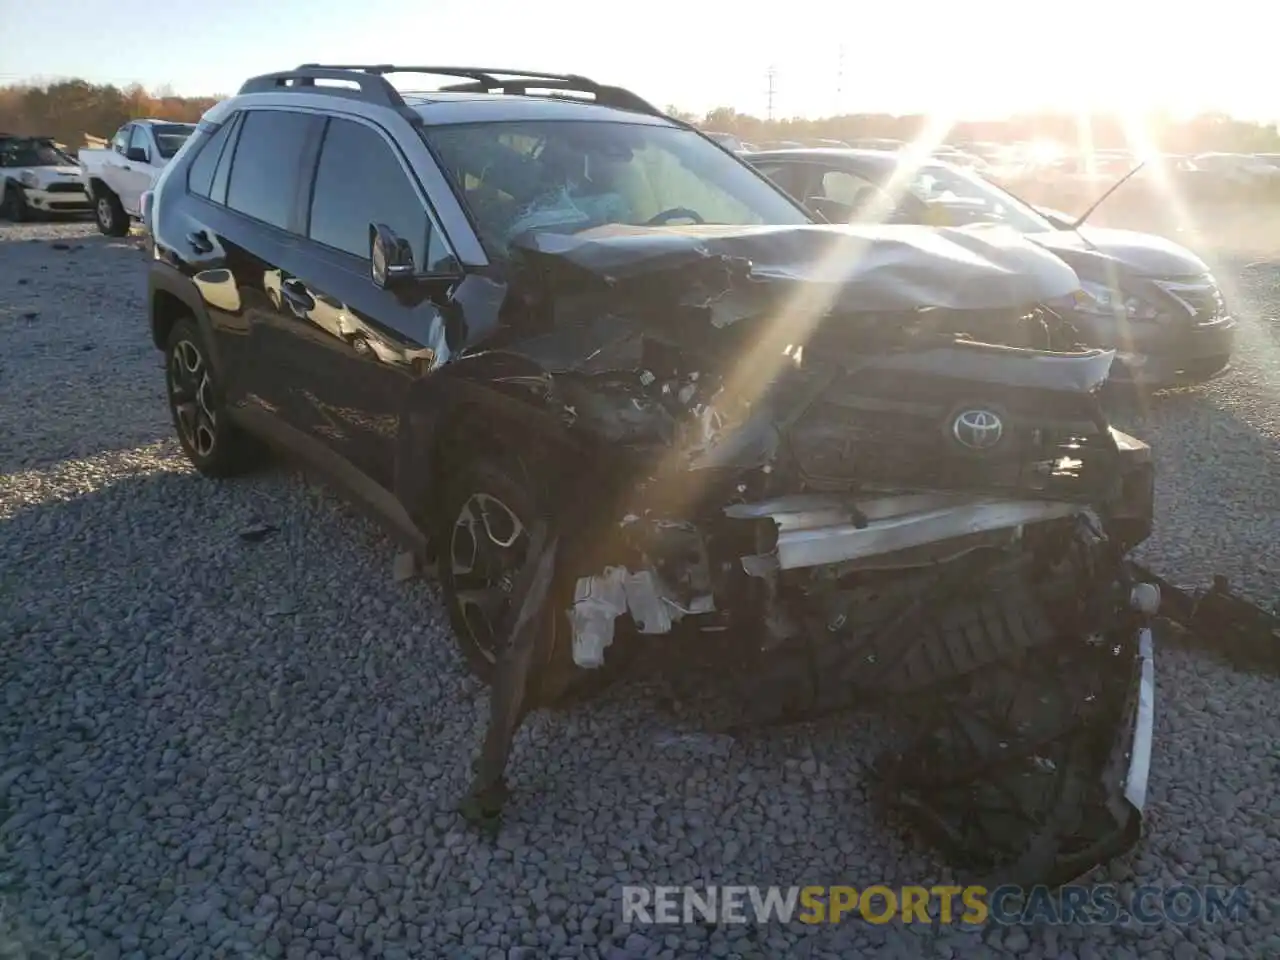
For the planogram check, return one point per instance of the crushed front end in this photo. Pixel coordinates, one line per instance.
(917, 506)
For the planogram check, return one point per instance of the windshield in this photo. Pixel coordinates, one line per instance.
(571, 175)
(965, 197)
(33, 153)
(171, 136)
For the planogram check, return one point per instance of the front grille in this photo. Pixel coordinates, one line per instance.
(1201, 298)
(64, 188)
(842, 441)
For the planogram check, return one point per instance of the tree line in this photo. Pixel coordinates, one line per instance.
(70, 110)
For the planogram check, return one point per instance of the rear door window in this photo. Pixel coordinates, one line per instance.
(266, 169)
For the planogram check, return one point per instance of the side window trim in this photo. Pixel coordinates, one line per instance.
(406, 168)
(222, 170)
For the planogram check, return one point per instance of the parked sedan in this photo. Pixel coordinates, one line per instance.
(1153, 301)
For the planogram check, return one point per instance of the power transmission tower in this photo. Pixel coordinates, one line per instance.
(771, 73)
(839, 81)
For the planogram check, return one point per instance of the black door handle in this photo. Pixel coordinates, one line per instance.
(199, 241)
(296, 295)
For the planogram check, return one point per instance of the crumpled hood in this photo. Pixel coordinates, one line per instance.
(1101, 251)
(873, 268)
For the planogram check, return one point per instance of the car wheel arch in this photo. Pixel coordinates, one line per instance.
(459, 413)
(172, 297)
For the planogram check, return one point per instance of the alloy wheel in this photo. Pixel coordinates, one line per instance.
(487, 549)
(191, 394)
(105, 215)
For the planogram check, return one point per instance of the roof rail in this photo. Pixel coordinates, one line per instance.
(503, 80)
(373, 87)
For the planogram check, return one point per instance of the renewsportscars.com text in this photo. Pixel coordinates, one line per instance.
(1100, 904)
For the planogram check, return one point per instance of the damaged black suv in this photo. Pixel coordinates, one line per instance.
(644, 412)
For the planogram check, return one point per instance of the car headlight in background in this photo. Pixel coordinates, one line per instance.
(1104, 301)
(28, 179)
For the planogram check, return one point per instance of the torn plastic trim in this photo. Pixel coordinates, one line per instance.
(816, 531)
(1126, 774)
(1135, 781)
(1219, 620)
(598, 601)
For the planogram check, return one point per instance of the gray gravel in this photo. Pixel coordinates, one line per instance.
(212, 747)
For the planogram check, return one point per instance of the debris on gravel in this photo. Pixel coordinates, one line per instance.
(225, 731)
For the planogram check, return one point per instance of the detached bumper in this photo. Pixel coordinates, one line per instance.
(1127, 773)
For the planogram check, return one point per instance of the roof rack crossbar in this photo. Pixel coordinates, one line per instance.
(373, 87)
(507, 81)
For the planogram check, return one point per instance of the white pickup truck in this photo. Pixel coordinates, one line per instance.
(116, 176)
(37, 177)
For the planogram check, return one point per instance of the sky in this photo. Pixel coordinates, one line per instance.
(968, 59)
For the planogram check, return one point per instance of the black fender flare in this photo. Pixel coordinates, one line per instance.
(170, 295)
(464, 396)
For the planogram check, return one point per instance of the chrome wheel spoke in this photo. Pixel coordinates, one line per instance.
(501, 525)
(191, 394)
(485, 554)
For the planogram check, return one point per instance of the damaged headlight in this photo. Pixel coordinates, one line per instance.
(1101, 300)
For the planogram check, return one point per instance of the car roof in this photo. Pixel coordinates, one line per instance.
(441, 107)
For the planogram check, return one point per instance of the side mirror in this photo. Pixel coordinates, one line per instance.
(390, 257)
(831, 211)
(136, 155)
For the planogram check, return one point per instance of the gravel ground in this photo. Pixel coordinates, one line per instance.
(212, 747)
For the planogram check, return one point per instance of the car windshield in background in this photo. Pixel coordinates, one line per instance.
(33, 153)
(571, 175)
(967, 198)
(171, 136)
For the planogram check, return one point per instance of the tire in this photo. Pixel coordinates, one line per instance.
(478, 500)
(109, 214)
(15, 208)
(215, 446)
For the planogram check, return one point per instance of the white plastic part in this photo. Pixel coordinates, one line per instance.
(1145, 598)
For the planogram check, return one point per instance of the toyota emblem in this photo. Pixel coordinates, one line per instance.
(977, 429)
